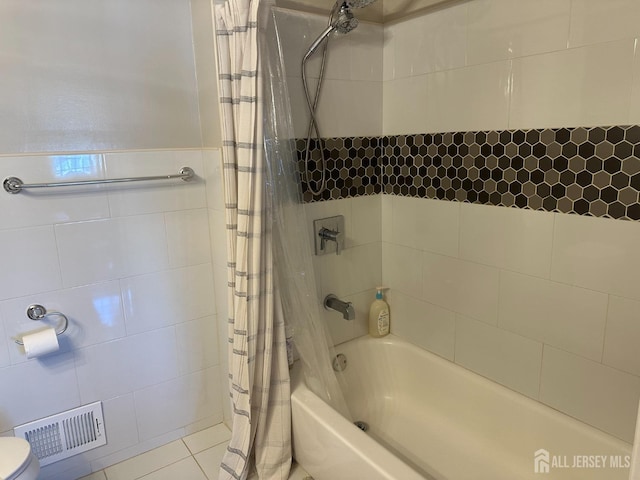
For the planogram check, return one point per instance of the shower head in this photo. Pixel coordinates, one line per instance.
(359, 3)
(341, 20)
(345, 21)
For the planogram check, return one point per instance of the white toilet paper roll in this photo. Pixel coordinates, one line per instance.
(41, 343)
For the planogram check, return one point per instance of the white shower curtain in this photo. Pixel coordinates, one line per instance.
(258, 368)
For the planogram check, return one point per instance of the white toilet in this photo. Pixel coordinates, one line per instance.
(17, 461)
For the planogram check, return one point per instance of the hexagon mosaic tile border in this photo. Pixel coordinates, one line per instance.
(586, 171)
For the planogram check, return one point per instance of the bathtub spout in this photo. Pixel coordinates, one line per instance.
(331, 302)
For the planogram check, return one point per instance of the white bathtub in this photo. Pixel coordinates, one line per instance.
(429, 418)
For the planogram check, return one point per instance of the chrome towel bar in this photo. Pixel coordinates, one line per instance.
(38, 312)
(15, 185)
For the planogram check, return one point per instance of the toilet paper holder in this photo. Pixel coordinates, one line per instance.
(38, 312)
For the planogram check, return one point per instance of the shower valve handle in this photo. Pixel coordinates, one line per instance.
(326, 234)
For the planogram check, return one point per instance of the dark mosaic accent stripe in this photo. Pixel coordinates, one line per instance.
(586, 171)
(353, 167)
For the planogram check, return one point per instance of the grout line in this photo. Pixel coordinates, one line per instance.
(604, 333)
(540, 371)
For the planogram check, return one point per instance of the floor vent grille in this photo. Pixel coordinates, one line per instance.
(65, 434)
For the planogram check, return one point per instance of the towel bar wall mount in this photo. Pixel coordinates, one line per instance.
(15, 185)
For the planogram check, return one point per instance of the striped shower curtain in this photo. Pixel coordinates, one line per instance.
(258, 368)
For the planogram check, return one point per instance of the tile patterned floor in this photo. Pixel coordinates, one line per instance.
(195, 457)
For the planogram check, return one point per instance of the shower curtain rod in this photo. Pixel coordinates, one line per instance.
(15, 185)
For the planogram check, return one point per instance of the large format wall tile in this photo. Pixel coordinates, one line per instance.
(169, 297)
(185, 400)
(32, 265)
(435, 229)
(504, 357)
(421, 323)
(131, 267)
(501, 29)
(512, 239)
(351, 99)
(600, 254)
(426, 44)
(596, 22)
(453, 102)
(497, 103)
(160, 196)
(23, 399)
(127, 364)
(94, 313)
(39, 207)
(86, 77)
(463, 287)
(622, 335)
(557, 314)
(582, 86)
(110, 249)
(596, 394)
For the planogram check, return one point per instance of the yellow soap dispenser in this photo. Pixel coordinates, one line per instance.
(379, 315)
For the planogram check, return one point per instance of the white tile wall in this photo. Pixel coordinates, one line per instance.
(435, 230)
(23, 400)
(168, 297)
(178, 402)
(558, 314)
(534, 278)
(467, 288)
(205, 70)
(119, 415)
(401, 268)
(602, 396)
(125, 200)
(77, 250)
(596, 254)
(509, 359)
(32, 250)
(508, 238)
(582, 86)
(94, 312)
(109, 249)
(125, 365)
(424, 324)
(349, 108)
(68, 205)
(492, 304)
(426, 44)
(132, 269)
(188, 237)
(355, 270)
(501, 29)
(198, 344)
(622, 335)
(471, 98)
(355, 273)
(497, 64)
(351, 100)
(593, 22)
(112, 75)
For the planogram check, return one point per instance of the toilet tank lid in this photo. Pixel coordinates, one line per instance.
(14, 453)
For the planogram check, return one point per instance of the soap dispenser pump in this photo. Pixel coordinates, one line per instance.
(379, 315)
